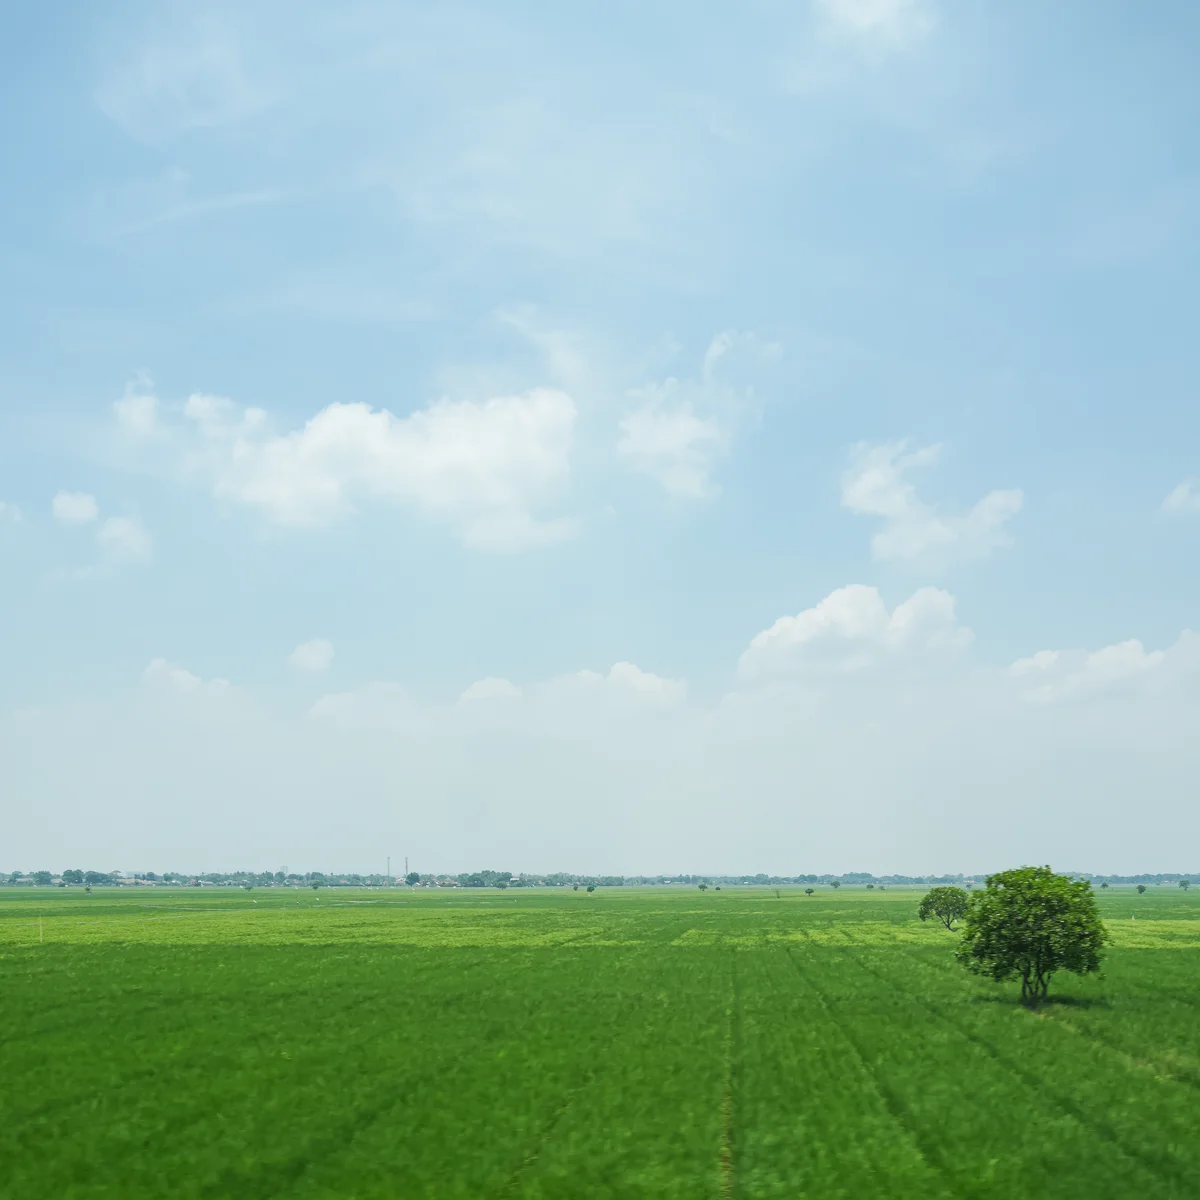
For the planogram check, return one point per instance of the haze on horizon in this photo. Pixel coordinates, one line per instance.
(616, 439)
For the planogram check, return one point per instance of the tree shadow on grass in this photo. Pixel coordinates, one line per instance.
(1011, 1000)
(1069, 1001)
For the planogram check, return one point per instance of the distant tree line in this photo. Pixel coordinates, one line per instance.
(505, 879)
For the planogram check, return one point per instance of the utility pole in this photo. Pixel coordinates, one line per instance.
(389, 870)
(406, 866)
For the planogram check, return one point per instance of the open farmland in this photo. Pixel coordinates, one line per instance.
(657, 1043)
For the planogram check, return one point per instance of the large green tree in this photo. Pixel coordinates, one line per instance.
(1030, 923)
(947, 904)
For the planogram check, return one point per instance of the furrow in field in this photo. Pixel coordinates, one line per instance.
(651, 1123)
(588, 1074)
(992, 1131)
(730, 1055)
(186, 1127)
(811, 1120)
(564, 1079)
(182, 1039)
(1162, 1165)
(899, 1113)
(421, 1131)
(1162, 1067)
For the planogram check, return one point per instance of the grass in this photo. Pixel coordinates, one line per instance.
(632, 1043)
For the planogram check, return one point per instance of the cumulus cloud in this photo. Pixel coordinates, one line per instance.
(1052, 675)
(487, 469)
(584, 774)
(668, 442)
(373, 706)
(852, 629)
(875, 485)
(179, 680)
(74, 508)
(678, 428)
(137, 414)
(1184, 498)
(490, 688)
(314, 656)
(566, 704)
(124, 540)
(625, 679)
(891, 22)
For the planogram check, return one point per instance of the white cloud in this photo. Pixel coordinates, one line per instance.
(487, 469)
(137, 414)
(855, 772)
(852, 629)
(314, 656)
(668, 442)
(179, 680)
(371, 707)
(625, 680)
(74, 508)
(875, 485)
(678, 428)
(1051, 675)
(490, 688)
(124, 540)
(1184, 498)
(9, 512)
(892, 22)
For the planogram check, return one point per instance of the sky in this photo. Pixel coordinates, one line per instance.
(604, 438)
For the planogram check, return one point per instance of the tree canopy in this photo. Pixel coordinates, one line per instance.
(947, 904)
(1030, 923)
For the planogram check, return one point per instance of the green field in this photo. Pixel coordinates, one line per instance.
(656, 1043)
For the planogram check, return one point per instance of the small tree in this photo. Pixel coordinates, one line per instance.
(1141, 888)
(835, 884)
(947, 904)
(1185, 884)
(591, 887)
(704, 887)
(412, 878)
(1104, 885)
(808, 891)
(1030, 923)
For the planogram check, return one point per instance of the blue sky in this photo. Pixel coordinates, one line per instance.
(622, 438)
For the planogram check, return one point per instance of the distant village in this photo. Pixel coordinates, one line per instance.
(503, 879)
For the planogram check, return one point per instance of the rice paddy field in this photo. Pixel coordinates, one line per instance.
(629, 1043)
